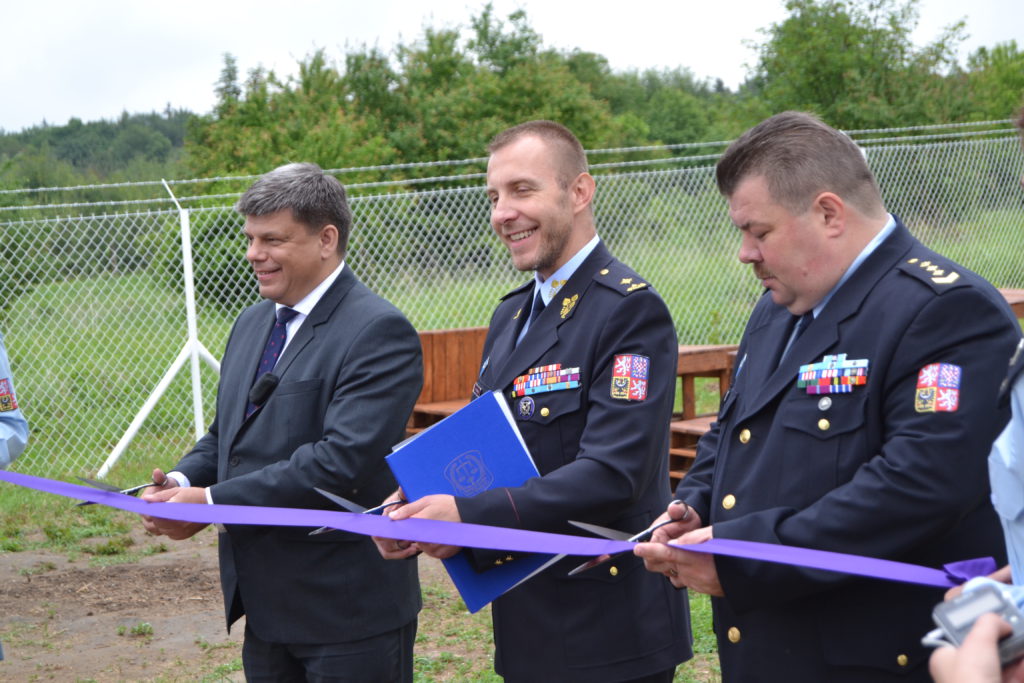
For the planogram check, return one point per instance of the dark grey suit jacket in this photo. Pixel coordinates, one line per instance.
(348, 381)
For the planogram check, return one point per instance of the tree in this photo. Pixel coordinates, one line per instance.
(852, 62)
(995, 77)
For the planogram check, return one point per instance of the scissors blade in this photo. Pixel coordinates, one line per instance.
(604, 531)
(344, 503)
(339, 501)
(99, 484)
(104, 486)
(613, 534)
(352, 506)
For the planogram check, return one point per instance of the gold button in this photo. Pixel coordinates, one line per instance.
(604, 271)
(744, 435)
(824, 424)
(497, 563)
(902, 660)
(734, 634)
(729, 502)
(614, 571)
(508, 558)
(544, 412)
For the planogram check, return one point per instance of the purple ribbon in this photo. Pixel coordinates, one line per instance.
(500, 538)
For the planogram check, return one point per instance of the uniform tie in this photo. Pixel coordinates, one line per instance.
(538, 306)
(805, 320)
(272, 351)
(797, 325)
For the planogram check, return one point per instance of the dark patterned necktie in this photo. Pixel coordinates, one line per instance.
(272, 351)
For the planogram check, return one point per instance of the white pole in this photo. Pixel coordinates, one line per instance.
(190, 314)
(144, 412)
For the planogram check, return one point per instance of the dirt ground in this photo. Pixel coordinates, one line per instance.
(160, 617)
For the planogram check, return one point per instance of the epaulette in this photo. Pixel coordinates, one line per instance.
(621, 278)
(938, 273)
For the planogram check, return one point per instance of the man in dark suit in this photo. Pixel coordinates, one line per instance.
(600, 444)
(861, 411)
(324, 607)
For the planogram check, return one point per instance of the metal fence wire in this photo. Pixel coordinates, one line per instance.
(92, 303)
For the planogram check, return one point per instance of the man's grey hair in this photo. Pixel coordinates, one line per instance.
(314, 198)
(800, 157)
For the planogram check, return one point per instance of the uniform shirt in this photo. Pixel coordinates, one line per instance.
(1006, 476)
(13, 426)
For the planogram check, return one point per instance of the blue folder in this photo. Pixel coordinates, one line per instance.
(472, 450)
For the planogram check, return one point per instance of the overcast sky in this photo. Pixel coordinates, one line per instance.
(92, 60)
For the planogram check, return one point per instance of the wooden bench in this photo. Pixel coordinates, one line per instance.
(451, 360)
(688, 425)
(1014, 297)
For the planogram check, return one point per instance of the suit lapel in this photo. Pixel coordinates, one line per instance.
(253, 340)
(543, 333)
(823, 333)
(320, 314)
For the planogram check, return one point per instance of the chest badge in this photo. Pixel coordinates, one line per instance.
(525, 408)
(835, 374)
(545, 378)
(568, 304)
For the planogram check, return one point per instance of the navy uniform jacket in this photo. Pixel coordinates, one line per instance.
(349, 379)
(602, 460)
(871, 472)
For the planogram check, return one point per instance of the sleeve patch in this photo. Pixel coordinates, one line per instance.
(629, 377)
(938, 388)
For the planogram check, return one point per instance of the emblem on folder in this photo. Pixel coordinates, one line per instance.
(468, 474)
(938, 388)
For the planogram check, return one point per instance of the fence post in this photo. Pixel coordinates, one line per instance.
(193, 349)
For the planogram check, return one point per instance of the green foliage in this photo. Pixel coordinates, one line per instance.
(996, 81)
(852, 62)
(134, 147)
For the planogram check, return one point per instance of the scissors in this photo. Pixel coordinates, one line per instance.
(104, 486)
(615, 535)
(351, 506)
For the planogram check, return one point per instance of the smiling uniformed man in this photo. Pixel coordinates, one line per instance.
(860, 415)
(586, 355)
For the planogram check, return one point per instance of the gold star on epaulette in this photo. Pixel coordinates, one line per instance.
(626, 280)
(939, 276)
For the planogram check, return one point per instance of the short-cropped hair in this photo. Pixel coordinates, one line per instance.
(572, 160)
(314, 198)
(800, 157)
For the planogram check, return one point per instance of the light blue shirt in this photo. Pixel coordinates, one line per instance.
(1006, 477)
(13, 425)
(548, 288)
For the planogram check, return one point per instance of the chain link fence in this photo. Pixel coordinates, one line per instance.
(92, 303)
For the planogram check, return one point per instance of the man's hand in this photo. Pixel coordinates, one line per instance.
(684, 569)
(686, 520)
(392, 548)
(170, 492)
(438, 506)
(1002, 575)
(977, 660)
